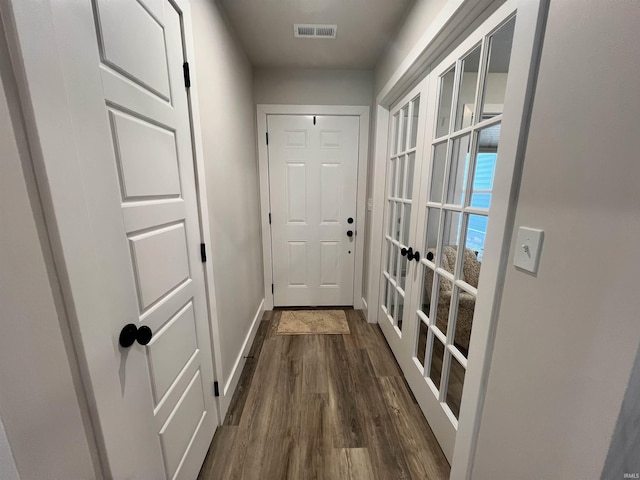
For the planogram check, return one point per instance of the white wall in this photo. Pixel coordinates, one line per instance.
(39, 389)
(567, 338)
(416, 22)
(309, 86)
(228, 130)
(8, 469)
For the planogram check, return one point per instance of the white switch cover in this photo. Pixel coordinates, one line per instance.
(528, 249)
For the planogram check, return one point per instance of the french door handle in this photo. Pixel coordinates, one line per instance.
(409, 253)
(350, 233)
(130, 333)
(416, 256)
(403, 252)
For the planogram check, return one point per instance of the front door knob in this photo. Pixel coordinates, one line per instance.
(349, 233)
(130, 333)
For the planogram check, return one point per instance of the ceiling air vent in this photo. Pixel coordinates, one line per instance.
(307, 30)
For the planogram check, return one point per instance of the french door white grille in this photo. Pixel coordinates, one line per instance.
(445, 227)
(399, 200)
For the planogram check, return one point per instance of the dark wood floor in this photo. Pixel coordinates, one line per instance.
(323, 407)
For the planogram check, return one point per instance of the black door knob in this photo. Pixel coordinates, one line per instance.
(409, 253)
(349, 233)
(130, 333)
(403, 252)
(144, 335)
(416, 256)
(349, 220)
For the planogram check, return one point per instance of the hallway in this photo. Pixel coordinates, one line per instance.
(323, 406)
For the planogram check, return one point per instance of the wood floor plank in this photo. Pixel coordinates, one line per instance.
(327, 407)
(347, 428)
(216, 464)
(352, 464)
(314, 364)
(242, 390)
(424, 457)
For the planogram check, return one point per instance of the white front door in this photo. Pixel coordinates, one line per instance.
(313, 163)
(133, 189)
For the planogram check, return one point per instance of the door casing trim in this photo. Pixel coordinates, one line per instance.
(263, 167)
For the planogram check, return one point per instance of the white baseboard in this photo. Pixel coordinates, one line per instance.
(230, 387)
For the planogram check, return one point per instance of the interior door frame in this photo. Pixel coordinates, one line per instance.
(265, 201)
(32, 28)
(456, 20)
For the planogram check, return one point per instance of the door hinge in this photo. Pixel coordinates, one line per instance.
(203, 252)
(267, 135)
(269, 218)
(216, 390)
(187, 75)
(272, 289)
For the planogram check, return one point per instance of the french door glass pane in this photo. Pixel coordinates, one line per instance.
(485, 166)
(400, 186)
(405, 124)
(393, 166)
(392, 261)
(407, 224)
(437, 172)
(422, 342)
(427, 290)
(440, 310)
(433, 224)
(468, 87)
(444, 105)
(458, 170)
(390, 209)
(450, 239)
(464, 319)
(437, 357)
(413, 138)
(455, 385)
(403, 271)
(399, 310)
(497, 70)
(391, 300)
(411, 163)
(396, 134)
(387, 285)
(476, 235)
(398, 221)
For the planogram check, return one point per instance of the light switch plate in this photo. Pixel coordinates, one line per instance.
(370, 204)
(528, 248)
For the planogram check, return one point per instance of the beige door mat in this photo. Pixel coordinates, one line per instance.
(310, 322)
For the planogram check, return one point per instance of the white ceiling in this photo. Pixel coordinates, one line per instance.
(265, 28)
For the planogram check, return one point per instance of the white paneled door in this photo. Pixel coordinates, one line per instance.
(313, 163)
(136, 280)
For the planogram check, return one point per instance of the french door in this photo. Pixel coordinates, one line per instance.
(443, 237)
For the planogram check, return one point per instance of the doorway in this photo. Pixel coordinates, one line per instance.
(443, 258)
(312, 163)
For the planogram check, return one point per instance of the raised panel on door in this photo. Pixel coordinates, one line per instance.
(141, 148)
(133, 42)
(161, 262)
(313, 185)
(135, 192)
